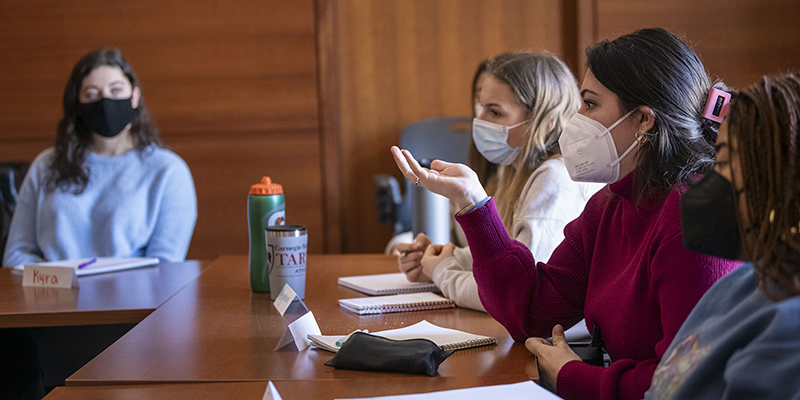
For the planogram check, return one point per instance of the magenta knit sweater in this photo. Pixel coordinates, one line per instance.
(619, 266)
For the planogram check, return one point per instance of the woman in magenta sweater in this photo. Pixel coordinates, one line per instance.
(622, 265)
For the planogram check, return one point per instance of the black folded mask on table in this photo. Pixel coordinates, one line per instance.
(365, 352)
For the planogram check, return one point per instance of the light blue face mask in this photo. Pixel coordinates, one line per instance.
(492, 141)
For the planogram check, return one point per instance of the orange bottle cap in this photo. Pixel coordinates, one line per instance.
(266, 187)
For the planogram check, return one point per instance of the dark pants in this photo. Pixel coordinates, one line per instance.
(33, 361)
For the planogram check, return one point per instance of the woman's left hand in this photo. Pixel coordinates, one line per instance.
(551, 357)
(433, 256)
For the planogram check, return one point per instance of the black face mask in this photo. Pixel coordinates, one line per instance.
(106, 117)
(709, 222)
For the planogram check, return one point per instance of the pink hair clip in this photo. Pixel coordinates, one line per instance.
(717, 105)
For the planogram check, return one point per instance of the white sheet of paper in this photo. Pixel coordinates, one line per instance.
(285, 297)
(52, 277)
(298, 331)
(516, 391)
(271, 393)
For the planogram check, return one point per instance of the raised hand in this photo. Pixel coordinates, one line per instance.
(457, 182)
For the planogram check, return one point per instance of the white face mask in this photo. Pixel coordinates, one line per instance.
(589, 150)
(492, 141)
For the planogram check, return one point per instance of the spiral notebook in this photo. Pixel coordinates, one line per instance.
(99, 265)
(383, 284)
(446, 339)
(396, 303)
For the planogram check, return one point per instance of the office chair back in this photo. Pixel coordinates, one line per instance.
(11, 175)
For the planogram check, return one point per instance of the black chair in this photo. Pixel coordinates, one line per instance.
(11, 175)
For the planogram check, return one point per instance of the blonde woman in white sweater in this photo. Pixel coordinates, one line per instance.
(526, 101)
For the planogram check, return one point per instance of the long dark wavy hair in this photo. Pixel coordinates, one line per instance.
(655, 68)
(72, 140)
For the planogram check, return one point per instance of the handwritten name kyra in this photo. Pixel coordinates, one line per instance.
(44, 279)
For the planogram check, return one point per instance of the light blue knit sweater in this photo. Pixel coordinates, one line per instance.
(737, 344)
(138, 204)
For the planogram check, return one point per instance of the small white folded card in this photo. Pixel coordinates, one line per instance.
(271, 393)
(53, 277)
(302, 321)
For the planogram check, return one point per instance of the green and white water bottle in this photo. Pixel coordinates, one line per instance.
(265, 207)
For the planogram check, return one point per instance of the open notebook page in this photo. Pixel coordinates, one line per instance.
(447, 339)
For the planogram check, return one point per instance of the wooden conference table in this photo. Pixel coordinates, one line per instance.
(215, 330)
(121, 297)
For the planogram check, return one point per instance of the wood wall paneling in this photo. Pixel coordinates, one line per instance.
(328, 82)
(326, 12)
(232, 85)
(737, 40)
(402, 61)
(224, 168)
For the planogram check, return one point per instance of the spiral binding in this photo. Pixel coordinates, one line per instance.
(409, 290)
(469, 343)
(406, 307)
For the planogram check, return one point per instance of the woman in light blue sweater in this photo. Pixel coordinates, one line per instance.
(742, 340)
(108, 188)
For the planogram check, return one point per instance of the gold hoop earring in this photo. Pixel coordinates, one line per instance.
(642, 137)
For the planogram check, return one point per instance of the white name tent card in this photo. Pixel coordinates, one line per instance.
(302, 322)
(48, 276)
(271, 393)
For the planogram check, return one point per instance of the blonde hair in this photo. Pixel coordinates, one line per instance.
(548, 92)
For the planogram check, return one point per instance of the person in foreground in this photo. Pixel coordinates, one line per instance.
(742, 340)
(108, 188)
(526, 100)
(622, 264)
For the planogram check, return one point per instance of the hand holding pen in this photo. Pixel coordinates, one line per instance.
(410, 257)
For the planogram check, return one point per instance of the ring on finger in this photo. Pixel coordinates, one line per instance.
(417, 182)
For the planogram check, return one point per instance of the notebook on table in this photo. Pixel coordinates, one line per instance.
(396, 303)
(383, 284)
(99, 265)
(447, 339)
